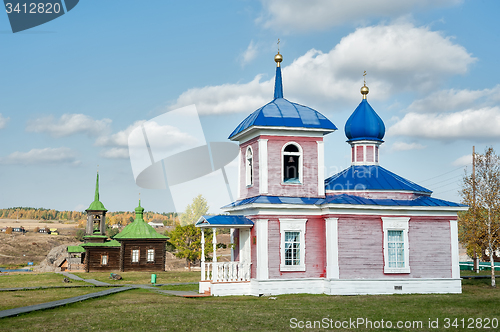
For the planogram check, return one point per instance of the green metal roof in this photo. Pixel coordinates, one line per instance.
(139, 229)
(112, 243)
(73, 249)
(95, 237)
(96, 205)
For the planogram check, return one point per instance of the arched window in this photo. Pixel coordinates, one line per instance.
(292, 163)
(249, 167)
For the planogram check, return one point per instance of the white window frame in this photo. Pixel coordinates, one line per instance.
(150, 255)
(301, 162)
(396, 224)
(249, 167)
(104, 259)
(293, 225)
(138, 251)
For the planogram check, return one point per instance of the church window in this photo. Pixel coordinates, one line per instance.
(292, 163)
(359, 153)
(151, 255)
(135, 256)
(96, 223)
(396, 254)
(369, 154)
(292, 247)
(249, 167)
(104, 260)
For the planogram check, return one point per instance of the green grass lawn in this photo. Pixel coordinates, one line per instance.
(140, 310)
(31, 279)
(480, 273)
(17, 299)
(192, 288)
(163, 277)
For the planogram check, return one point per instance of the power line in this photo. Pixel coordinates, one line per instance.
(442, 192)
(461, 167)
(445, 185)
(454, 177)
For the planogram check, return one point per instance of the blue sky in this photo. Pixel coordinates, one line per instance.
(71, 90)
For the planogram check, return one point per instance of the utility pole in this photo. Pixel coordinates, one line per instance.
(476, 259)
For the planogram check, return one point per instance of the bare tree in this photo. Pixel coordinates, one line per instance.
(480, 225)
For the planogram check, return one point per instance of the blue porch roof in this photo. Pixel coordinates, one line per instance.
(224, 221)
(371, 177)
(345, 199)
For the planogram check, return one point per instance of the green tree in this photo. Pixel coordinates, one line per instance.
(480, 225)
(187, 242)
(194, 211)
(112, 231)
(80, 233)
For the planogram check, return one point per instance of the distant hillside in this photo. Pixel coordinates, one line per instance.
(112, 218)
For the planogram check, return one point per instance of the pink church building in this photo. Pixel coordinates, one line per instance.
(364, 230)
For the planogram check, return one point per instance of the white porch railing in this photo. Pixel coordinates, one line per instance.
(226, 271)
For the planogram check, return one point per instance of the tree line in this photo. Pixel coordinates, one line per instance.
(479, 226)
(120, 218)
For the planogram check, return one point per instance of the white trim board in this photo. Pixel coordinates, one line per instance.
(338, 287)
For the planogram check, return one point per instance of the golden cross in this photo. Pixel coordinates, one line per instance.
(278, 45)
(364, 77)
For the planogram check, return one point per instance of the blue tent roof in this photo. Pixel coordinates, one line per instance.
(229, 221)
(345, 199)
(371, 177)
(364, 124)
(283, 113)
(419, 201)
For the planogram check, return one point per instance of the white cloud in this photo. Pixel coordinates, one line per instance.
(3, 121)
(402, 146)
(48, 156)
(397, 57)
(164, 137)
(299, 15)
(79, 207)
(455, 100)
(479, 123)
(68, 124)
(463, 161)
(115, 153)
(250, 53)
(227, 98)
(119, 139)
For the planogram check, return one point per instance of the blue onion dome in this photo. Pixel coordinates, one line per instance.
(283, 113)
(364, 123)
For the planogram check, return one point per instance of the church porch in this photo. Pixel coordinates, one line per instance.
(233, 276)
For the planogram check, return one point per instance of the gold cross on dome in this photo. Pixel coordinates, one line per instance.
(364, 77)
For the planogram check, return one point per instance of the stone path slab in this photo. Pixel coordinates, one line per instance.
(54, 304)
(91, 281)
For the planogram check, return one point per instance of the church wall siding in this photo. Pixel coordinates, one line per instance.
(253, 252)
(315, 255)
(245, 191)
(361, 248)
(309, 186)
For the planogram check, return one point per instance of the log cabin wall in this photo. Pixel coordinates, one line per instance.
(93, 259)
(143, 245)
